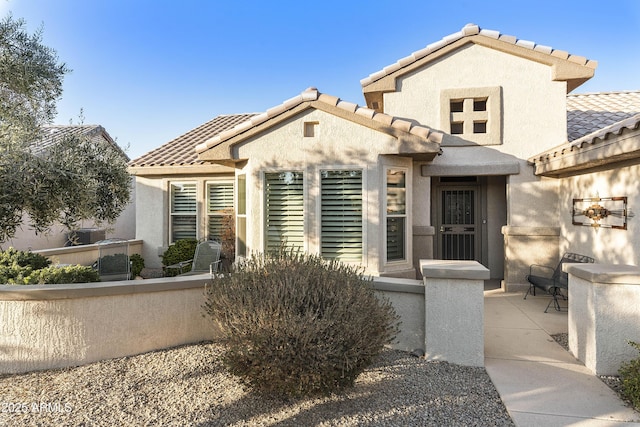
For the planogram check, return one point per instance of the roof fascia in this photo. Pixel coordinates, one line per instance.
(571, 160)
(180, 170)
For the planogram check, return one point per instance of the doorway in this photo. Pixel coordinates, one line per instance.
(458, 208)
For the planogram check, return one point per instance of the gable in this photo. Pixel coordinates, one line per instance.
(411, 139)
(572, 69)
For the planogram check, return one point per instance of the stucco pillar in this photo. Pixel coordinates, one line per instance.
(603, 314)
(524, 246)
(454, 311)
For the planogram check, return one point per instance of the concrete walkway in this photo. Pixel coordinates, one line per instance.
(539, 382)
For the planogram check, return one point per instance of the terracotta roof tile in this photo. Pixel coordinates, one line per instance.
(591, 112)
(181, 150)
(312, 94)
(470, 30)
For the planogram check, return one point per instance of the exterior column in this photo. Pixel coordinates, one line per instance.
(603, 314)
(454, 311)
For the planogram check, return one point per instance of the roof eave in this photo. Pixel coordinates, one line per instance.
(599, 153)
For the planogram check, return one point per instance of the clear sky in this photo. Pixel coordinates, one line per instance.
(151, 70)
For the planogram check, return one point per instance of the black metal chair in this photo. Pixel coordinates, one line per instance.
(555, 283)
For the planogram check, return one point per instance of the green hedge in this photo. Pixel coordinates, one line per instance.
(28, 268)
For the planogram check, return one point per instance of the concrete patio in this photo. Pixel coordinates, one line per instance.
(539, 382)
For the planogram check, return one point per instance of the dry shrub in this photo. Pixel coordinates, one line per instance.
(295, 324)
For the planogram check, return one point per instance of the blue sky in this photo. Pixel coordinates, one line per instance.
(149, 71)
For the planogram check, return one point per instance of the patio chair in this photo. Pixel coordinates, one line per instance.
(206, 258)
(553, 281)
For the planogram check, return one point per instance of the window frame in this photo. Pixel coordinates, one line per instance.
(265, 211)
(173, 214)
(218, 213)
(465, 121)
(405, 215)
(363, 211)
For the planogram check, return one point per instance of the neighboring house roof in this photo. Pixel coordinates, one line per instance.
(417, 141)
(591, 112)
(181, 151)
(573, 69)
(52, 134)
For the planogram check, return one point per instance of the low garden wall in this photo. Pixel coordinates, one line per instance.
(56, 326)
(604, 314)
(83, 254)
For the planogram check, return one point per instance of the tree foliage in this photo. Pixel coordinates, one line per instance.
(72, 180)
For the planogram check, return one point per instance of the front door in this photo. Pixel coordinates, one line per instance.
(457, 229)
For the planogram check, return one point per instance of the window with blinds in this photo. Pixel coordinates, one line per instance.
(219, 207)
(341, 215)
(284, 210)
(396, 214)
(183, 210)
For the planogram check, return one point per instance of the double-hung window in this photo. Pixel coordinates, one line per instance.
(219, 209)
(396, 214)
(284, 210)
(184, 210)
(341, 215)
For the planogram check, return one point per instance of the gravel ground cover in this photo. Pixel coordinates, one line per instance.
(188, 386)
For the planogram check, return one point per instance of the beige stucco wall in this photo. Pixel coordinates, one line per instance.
(54, 326)
(152, 218)
(606, 245)
(337, 144)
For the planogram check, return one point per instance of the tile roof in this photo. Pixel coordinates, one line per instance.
(310, 95)
(52, 134)
(180, 151)
(592, 112)
(470, 30)
(593, 121)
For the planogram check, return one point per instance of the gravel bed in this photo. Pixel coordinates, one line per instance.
(188, 386)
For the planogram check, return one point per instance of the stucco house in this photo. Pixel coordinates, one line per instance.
(124, 227)
(471, 148)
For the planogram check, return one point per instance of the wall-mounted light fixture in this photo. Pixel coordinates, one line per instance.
(600, 212)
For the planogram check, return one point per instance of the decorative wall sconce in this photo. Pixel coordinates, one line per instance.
(601, 212)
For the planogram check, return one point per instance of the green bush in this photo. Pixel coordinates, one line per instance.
(60, 275)
(295, 324)
(28, 268)
(630, 376)
(137, 264)
(181, 250)
(113, 264)
(12, 257)
(16, 266)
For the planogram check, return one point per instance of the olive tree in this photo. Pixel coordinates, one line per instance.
(72, 180)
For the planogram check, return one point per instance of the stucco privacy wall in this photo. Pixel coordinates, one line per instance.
(337, 144)
(55, 326)
(606, 245)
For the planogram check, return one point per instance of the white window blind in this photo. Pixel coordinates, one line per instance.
(341, 217)
(219, 207)
(284, 210)
(183, 211)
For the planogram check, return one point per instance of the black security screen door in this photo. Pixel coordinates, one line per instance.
(457, 216)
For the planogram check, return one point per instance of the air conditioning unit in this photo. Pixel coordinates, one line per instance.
(85, 236)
